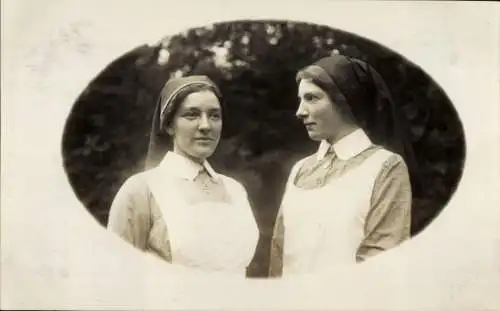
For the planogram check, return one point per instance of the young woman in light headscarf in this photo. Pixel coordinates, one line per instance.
(351, 199)
(180, 208)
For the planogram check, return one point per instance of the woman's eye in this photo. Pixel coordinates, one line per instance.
(190, 115)
(309, 97)
(215, 116)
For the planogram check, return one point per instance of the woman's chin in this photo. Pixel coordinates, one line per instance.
(314, 136)
(203, 152)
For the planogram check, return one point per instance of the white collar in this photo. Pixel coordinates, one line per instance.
(347, 147)
(184, 167)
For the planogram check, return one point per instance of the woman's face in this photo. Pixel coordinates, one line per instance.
(316, 110)
(196, 126)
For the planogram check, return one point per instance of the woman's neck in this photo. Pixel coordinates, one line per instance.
(343, 132)
(190, 157)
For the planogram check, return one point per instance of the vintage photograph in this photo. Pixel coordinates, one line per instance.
(263, 148)
(237, 155)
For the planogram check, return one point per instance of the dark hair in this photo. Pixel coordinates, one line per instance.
(360, 91)
(338, 99)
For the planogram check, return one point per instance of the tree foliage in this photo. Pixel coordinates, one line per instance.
(254, 63)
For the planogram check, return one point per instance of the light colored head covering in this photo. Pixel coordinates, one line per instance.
(166, 107)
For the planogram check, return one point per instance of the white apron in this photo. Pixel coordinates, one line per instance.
(324, 227)
(207, 235)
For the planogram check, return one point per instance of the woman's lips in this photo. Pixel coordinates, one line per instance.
(309, 125)
(203, 139)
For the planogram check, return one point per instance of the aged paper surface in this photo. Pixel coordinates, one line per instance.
(54, 255)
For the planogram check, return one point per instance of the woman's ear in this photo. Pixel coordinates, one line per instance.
(168, 129)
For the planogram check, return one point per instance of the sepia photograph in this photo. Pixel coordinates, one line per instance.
(233, 156)
(332, 146)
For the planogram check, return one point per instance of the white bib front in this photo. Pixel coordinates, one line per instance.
(324, 227)
(218, 236)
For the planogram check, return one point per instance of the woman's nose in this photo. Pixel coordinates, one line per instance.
(204, 123)
(301, 112)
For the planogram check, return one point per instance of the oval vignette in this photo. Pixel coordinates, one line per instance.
(254, 63)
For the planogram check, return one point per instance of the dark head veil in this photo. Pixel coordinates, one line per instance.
(171, 95)
(360, 93)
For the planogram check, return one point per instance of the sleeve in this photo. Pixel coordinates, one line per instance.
(388, 222)
(277, 243)
(249, 206)
(278, 236)
(244, 198)
(130, 215)
(235, 186)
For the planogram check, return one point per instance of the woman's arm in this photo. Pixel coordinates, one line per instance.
(277, 243)
(130, 215)
(388, 222)
(278, 237)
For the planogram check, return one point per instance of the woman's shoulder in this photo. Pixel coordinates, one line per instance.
(137, 178)
(136, 183)
(388, 159)
(134, 192)
(231, 182)
(300, 162)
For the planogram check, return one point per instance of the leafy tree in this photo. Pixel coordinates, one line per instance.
(254, 63)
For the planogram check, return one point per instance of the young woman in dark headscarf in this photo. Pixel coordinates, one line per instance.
(351, 199)
(180, 208)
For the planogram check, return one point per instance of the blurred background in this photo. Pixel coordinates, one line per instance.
(254, 63)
